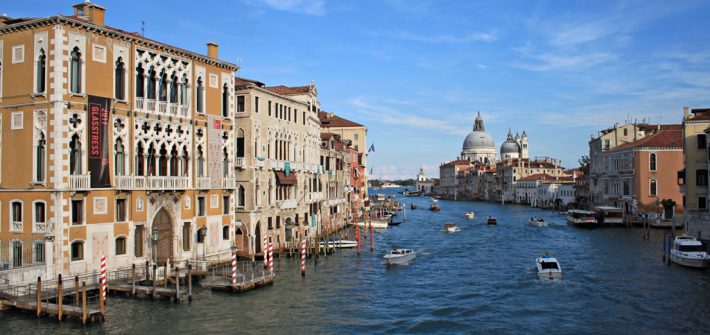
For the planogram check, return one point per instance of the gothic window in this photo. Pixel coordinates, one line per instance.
(200, 96)
(151, 161)
(652, 188)
(163, 165)
(41, 164)
(225, 100)
(652, 162)
(200, 162)
(225, 163)
(241, 196)
(151, 83)
(75, 71)
(119, 159)
(75, 155)
(140, 156)
(174, 162)
(41, 72)
(173, 89)
(119, 80)
(163, 87)
(185, 162)
(183, 90)
(140, 81)
(240, 143)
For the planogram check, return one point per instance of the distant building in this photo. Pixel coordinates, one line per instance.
(354, 132)
(424, 184)
(694, 176)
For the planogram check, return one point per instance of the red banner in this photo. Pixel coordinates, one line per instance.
(98, 141)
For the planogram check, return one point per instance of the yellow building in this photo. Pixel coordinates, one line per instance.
(108, 141)
(694, 178)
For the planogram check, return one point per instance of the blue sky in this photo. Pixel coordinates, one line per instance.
(416, 72)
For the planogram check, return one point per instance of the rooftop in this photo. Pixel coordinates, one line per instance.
(662, 139)
(331, 120)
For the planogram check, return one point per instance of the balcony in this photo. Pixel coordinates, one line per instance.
(297, 166)
(229, 183)
(16, 227)
(39, 228)
(204, 183)
(123, 182)
(80, 182)
(288, 204)
(162, 107)
(184, 110)
(239, 163)
(150, 106)
(167, 183)
(140, 103)
(314, 196)
(173, 109)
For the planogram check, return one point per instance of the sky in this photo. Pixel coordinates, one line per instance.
(417, 72)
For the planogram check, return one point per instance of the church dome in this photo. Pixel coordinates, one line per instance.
(478, 138)
(509, 146)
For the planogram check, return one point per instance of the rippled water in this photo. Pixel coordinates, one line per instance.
(479, 280)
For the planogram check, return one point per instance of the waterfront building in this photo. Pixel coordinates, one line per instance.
(581, 190)
(424, 184)
(526, 191)
(349, 131)
(694, 176)
(112, 144)
(448, 177)
(509, 171)
(555, 193)
(639, 175)
(334, 181)
(278, 151)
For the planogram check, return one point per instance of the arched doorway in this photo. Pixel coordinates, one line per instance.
(164, 246)
(257, 238)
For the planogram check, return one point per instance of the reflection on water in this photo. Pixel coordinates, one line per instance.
(480, 279)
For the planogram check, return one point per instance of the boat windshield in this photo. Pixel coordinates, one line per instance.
(690, 248)
(549, 265)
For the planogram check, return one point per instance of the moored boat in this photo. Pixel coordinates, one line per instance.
(400, 256)
(537, 221)
(340, 243)
(688, 251)
(470, 215)
(548, 267)
(413, 206)
(581, 218)
(450, 227)
(491, 221)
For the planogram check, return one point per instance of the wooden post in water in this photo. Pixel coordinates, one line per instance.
(76, 290)
(39, 296)
(133, 281)
(189, 282)
(372, 237)
(60, 296)
(357, 238)
(83, 302)
(165, 275)
(155, 269)
(147, 271)
(177, 284)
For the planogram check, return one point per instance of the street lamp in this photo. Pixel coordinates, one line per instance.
(154, 236)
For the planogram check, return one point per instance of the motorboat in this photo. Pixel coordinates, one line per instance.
(451, 227)
(413, 206)
(434, 207)
(581, 218)
(688, 251)
(548, 267)
(491, 221)
(470, 215)
(340, 243)
(400, 256)
(377, 223)
(538, 221)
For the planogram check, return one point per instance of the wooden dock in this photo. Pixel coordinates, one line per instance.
(221, 280)
(90, 314)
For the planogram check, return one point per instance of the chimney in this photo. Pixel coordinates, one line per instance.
(685, 113)
(212, 50)
(90, 12)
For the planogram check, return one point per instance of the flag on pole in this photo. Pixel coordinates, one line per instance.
(372, 148)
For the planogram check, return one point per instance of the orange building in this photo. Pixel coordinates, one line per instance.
(110, 140)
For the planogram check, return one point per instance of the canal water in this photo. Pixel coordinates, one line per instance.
(479, 280)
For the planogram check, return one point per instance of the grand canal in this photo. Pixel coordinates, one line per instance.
(479, 280)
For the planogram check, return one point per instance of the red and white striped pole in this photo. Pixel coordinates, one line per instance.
(357, 238)
(303, 258)
(234, 269)
(271, 258)
(103, 277)
(266, 252)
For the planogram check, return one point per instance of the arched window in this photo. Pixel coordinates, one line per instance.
(75, 71)
(173, 89)
(151, 161)
(119, 159)
(77, 251)
(16, 216)
(240, 143)
(120, 245)
(200, 162)
(183, 90)
(163, 159)
(225, 100)
(225, 163)
(163, 87)
(41, 164)
(41, 71)
(225, 233)
(626, 132)
(151, 83)
(75, 155)
(652, 188)
(140, 156)
(174, 164)
(241, 196)
(119, 80)
(140, 81)
(200, 97)
(185, 162)
(652, 162)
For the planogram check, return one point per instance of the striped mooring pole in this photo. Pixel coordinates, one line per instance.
(266, 247)
(234, 269)
(103, 277)
(303, 258)
(271, 258)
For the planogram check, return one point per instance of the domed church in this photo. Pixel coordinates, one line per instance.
(479, 145)
(514, 147)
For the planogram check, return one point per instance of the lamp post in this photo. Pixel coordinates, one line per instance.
(154, 237)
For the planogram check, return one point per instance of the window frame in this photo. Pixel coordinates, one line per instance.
(72, 257)
(124, 244)
(652, 162)
(653, 187)
(35, 204)
(82, 213)
(12, 212)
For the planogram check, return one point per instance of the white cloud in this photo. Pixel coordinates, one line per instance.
(554, 62)
(444, 38)
(311, 7)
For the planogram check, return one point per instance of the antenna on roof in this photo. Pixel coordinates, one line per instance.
(142, 28)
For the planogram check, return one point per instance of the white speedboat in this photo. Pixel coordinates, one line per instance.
(470, 215)
(400, 256)
(451, 227)
(538, 221)
(548, 267)
(340, 243)
(688, 251)
(376, 224)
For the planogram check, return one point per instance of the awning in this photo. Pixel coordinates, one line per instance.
(283, 180)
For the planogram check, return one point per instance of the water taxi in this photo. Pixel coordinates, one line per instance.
(610, 215)
(537, 221)
(400, 256)
(470, 215)
(581, 218)
(548, 267)
(451, 227)
(434, 207)
(688, 251)
(340, 243)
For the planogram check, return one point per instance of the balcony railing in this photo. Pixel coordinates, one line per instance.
(314, 196)
(151, 105)
(167, 183)
(229, 183)
(239, 163)
(173, 109)
(123, 182)
(39, 228)
(140, 103)
(162, 107)
(184, 110)
(203, 183)
(16, 227)
(288, 204)
(296, 166)
(80, 182)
